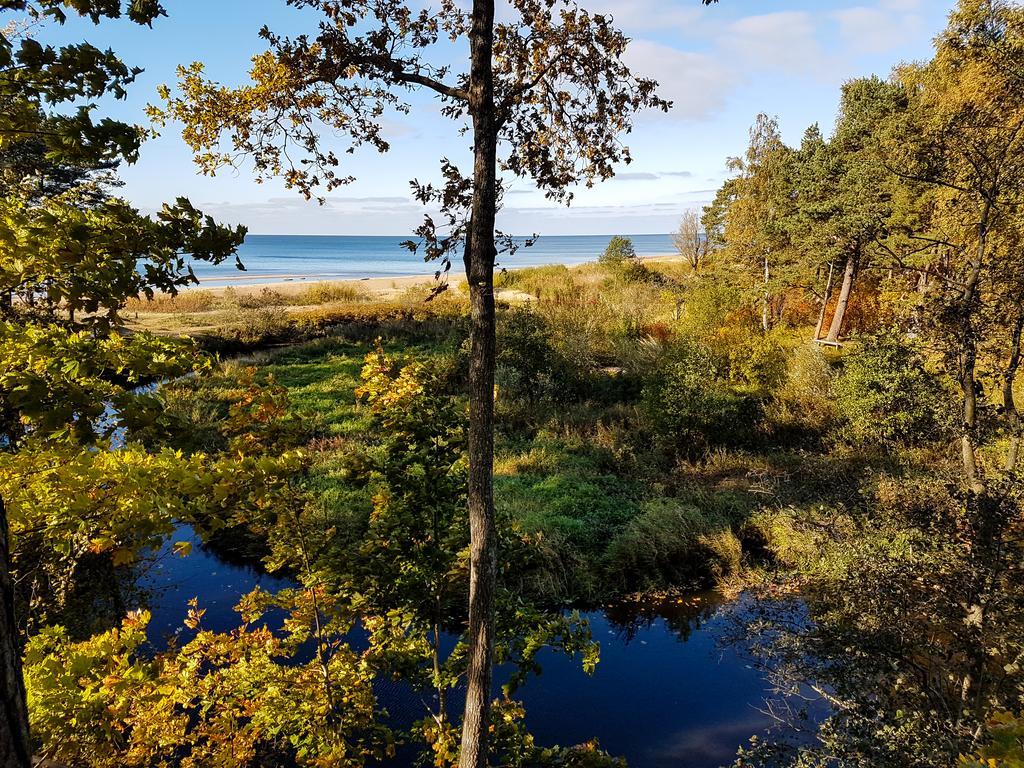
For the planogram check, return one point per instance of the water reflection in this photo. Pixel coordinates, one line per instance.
(668, 690)
(671, 690)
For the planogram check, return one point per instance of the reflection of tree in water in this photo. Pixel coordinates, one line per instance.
(236, 546)
(883, 671)
(98, 598)
(683, 615)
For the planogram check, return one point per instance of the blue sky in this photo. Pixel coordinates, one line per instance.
(720, 65)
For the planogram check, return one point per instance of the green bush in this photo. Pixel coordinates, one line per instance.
(760, 361)
(267, 297)
(529, 366)
(265, 326)
(886, 395)
(632, 270)
(620, 251)
(691, 407)
(803, 405)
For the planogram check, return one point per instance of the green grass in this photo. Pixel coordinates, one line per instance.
(609, 512)
(322, 376)
(576, 503)
(321, 384)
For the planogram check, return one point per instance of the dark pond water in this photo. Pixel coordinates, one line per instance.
(670, 689)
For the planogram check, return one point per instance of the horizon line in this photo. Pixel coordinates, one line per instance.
(413, 237)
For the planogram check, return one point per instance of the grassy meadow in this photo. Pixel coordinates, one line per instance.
(646, 440)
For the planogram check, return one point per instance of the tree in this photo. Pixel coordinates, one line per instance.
(691, 241)
(962, 140)
(620, 251)
(547, 90)
(843, 192)
(940, 557)
(409, 567)
(64, 246)
(713, 217)
(757, 220)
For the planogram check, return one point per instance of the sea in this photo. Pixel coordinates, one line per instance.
(277, 258)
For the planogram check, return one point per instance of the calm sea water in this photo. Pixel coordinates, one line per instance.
(270, 258)
(672, 690)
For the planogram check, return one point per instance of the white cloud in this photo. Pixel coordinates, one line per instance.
(785, 41)
(635, 177)
(695, 83)
(878, 29)
(901, 6)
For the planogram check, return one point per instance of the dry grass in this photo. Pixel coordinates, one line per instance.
(186, 301)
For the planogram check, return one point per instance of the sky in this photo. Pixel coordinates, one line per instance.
(720, 65)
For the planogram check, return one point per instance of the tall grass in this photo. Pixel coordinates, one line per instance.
(186, 301)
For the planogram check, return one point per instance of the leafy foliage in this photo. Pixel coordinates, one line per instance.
(620, 251)
(228, 699)
(693, 407)
(887, 395)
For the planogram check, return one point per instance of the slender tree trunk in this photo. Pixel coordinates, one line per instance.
(1010, 412)
(480, 257)
(969, 357)
(981, 507)
(435, 657)
(766, 299)
(15, 751)
(835, 329)
(824, 301)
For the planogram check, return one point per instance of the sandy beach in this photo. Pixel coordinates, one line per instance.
(382, 287)
(378, 287)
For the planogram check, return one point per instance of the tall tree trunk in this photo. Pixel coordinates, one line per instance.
(766, 299)
(480, 257)
(15, 751)
(982, 509)
(968, 355)
(824, 301)
(835, 329)
(1010, 412)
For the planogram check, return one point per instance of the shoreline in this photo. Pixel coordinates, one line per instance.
(377, 285)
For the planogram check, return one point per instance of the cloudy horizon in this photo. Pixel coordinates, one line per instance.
(719, 65)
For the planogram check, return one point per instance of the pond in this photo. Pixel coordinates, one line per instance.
(670, 690)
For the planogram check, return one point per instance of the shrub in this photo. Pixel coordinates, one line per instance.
(267, 297)
(264, 326)
(692, 408)
(577, 329)
(711, 304)
(886, 394)
(632, 270)
(620, 251)
(803, 404)
(530, 366)
(759, 360)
